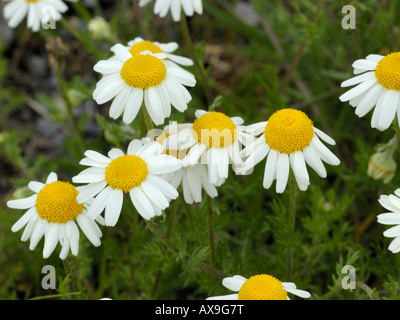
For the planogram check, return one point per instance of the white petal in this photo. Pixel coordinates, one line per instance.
(141, 203)
(26, 217)
(113, 207)
(233, 283)
(24, 203)
(99, 203)
(51, 239)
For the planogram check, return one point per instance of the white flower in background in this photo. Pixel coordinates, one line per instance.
(392, 204)
(137, 173)
(36, 11)
(54, 212)
(192, 178)
(162, 7)
(377, 86)
(288, 140)
(213, 139)
(259, 287)
(131, 79)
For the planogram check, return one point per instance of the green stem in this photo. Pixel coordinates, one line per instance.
(199, 66)
(211, 229)
(59, 295)
(148, 122)
(82, 11)
(174, 248)
(167, 235)
(87, 43)
(292, 220)
(397, 129)
(68, 272)
(74, 123)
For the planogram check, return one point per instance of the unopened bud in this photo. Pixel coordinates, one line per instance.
(100, 29)
(382, 166)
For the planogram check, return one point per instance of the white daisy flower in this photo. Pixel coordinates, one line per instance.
(36, 11)
(391, 203)
(162, 7)
(138, 45)
(377, 85)
(214, 139)
(192, 178)
(137, 173)
(259, 287)
(54, 212)
(145, 76)
(289, 139)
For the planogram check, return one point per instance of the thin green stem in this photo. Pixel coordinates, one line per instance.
(74, 123)
(292, 220)
(70, 276)
(397, 129)
(210, 214)
(149, 123)
(174, 248)
(59, 295)
(199, 66)
(171, 219)
(86, 43)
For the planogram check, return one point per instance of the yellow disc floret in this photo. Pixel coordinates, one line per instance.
(56, 202)
(262, 287)
(143, 46)
(288, 131)
(31, 1)
(215, 130)
(143, 71)
(126, 172)
(388, 71)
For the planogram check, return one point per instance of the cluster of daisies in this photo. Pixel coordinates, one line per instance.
(192, 156)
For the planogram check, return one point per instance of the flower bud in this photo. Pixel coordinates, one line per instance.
(381, 164)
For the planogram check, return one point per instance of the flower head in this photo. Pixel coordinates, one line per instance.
(377, 83)
(136, 173)
(36, 11)
(162, 7)
(133, 78)
(259, 287)
(192, 178)
(214, 139)
(289, 140)
(53, 212)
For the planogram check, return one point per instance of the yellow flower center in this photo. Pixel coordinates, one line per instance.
(56, 202)
(388, 71)
(214, 129)
(143, 71)
(141, 46)
(288, 131)
(126, 172)
(262, 287)
(31, 1)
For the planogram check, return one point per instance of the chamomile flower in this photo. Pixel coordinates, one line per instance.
(192, 178)
(392, 204)
(213, 139)
(137, 173)
(259, 287)
(162, 7)
(134, 78)
(377, 83)
(139, 45)
(36, 11)
(288, 139)
(54, 212)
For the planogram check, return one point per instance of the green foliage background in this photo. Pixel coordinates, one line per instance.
(247, 62)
